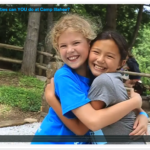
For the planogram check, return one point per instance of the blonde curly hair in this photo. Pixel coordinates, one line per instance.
(75, 22)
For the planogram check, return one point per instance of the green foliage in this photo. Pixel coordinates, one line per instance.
(126, 20)
(13, 26)
(31, 82)
(27, 94)
(142, 51)
(25, 99)
(126, 16)
(90, 12)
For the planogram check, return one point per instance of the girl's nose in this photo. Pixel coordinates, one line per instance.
(100, 59)
(70, 49)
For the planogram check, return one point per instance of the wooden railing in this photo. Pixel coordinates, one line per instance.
(135, 73)
(18, 48)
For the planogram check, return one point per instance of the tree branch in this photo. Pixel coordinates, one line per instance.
(139, 18)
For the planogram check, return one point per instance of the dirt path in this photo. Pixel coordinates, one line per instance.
(9, 113)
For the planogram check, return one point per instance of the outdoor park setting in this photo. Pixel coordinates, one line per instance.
(28, 60)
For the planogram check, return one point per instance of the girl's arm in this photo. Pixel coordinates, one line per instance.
(140, 126)
(97, 104)
(75, 125)
(141, 123)
(97, 119)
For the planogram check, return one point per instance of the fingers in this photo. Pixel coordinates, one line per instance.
(133, 132)
(135, 124)
(139, 131)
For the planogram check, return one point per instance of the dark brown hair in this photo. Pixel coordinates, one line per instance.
(117, 38)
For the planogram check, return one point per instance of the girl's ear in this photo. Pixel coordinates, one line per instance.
(122, 63)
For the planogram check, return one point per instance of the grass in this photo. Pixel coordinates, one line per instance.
(5, 109)
(30, 82)
(24, 92)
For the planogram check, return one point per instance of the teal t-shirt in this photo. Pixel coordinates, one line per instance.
(72, 91)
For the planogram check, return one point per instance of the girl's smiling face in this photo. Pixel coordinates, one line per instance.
(74, 50)
(104, 57)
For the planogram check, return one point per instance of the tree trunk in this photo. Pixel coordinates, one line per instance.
(139, 18)
(48, 45)
(42, 32)
(41, 41)
(30, 47)
(111, 17)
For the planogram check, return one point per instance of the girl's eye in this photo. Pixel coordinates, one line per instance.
(76, 43)
(96, 52)
(110, 56)
(62, 46)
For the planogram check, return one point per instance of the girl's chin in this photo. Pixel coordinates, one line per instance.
(96, 74)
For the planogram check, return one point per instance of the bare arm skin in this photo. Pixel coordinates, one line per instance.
(138, 110)
(75, 125)
(97, 119)
(98, 104)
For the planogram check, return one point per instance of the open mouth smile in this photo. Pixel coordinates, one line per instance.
(99, 68)
(73, 58)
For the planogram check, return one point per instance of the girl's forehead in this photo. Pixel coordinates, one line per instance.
(70, 34)
(105, 43)
(106, 46)
(73, 31)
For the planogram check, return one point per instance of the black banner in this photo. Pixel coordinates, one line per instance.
(45, 138)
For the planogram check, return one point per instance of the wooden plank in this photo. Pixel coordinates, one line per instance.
(18, 48)
(20, 61)
(40, 66)
(45, 53)
(128, 89)
(135, 73)
(12, 47)
(49, 55)
(10, 60)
